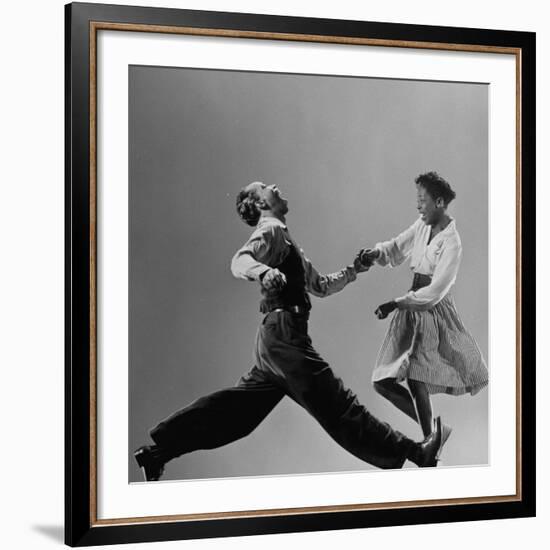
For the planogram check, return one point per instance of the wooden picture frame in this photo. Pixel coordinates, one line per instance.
(83, 527)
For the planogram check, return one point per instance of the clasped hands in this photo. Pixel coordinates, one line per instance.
(365, 259)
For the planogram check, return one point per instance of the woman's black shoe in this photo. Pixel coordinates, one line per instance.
(426, 455)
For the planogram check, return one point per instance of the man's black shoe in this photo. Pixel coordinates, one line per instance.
(429, 449)
(151, 462)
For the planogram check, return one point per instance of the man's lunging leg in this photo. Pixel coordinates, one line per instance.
(286, 350)
(210, 422)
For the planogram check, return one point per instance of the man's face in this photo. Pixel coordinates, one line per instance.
(270, 197)
(430, 211)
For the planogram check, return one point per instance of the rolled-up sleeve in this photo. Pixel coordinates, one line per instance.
(443, 279)
(266, 247)
(397, 250)
(325, 285)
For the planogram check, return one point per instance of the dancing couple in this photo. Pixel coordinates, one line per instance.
(426, 350)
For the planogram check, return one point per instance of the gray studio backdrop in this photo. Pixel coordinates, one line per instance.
(345, 152)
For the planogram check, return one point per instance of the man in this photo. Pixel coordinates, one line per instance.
(285, 361)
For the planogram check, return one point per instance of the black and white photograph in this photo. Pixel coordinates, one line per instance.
(274, 274)
(308, 273)
(305, 279)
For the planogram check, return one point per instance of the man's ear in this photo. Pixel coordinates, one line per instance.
(439, 202)
(261, 204)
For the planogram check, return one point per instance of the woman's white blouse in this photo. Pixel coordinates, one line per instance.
(440, 259)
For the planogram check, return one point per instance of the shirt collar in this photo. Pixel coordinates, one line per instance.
(451, 227)
(451, 222)
(271, 221)
(448, 231)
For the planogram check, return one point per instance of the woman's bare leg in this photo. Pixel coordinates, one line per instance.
(398, 395)
(423, 405)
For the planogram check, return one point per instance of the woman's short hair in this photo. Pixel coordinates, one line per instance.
(436, 186)
(247, 207)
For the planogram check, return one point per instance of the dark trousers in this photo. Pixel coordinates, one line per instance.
(286, 364)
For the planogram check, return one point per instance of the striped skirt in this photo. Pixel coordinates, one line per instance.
(432, 347)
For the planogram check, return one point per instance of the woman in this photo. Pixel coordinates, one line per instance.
(426, 349)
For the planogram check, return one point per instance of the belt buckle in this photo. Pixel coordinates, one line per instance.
(290, 309)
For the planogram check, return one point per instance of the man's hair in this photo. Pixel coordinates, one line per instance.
(436, 187)
(247, 207)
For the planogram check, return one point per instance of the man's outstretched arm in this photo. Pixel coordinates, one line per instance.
(325, 285)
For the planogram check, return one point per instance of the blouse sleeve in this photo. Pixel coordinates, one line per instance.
(443, 279)
(397, 250)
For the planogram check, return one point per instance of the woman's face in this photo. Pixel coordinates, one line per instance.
(430, 211)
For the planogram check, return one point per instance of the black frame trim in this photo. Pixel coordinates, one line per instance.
(78, 529)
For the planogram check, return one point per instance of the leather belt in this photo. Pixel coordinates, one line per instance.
(420, 281)
(300, 310)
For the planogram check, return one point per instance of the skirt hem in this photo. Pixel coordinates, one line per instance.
(434, 389)
(432, 347)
